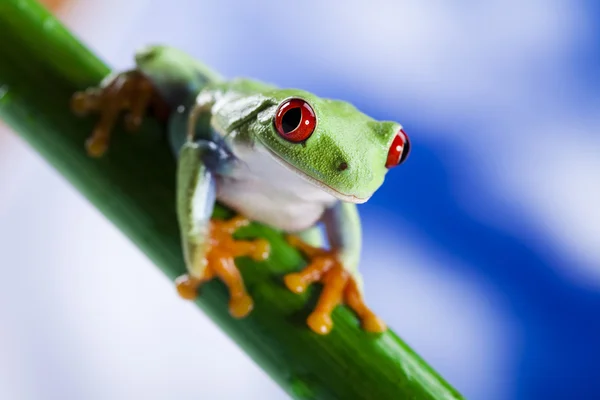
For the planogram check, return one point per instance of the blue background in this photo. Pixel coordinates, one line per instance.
(482, 251)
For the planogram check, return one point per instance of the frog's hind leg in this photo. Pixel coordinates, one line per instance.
(163, 80)
(129, 91)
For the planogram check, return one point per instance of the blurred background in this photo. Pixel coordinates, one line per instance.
(482, 251)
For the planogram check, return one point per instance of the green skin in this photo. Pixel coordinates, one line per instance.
(230, 151)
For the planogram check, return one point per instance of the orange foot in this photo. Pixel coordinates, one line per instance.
(222, 251)
(127, 91)
(339, 286)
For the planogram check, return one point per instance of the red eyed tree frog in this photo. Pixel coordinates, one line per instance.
(282, 157)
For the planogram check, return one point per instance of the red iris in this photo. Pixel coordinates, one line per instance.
(295, 120)
(399, 150)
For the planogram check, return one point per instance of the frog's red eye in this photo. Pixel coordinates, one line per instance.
(399, 150)
(295, 120)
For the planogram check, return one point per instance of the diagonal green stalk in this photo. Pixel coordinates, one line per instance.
(41, 65)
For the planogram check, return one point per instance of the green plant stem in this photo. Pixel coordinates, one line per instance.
(41, 65)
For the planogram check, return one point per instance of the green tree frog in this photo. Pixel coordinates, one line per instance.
(282, 157)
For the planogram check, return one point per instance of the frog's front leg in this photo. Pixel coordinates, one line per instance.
(336, 269)
(208, 245)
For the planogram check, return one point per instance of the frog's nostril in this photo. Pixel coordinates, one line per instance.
(343, 166)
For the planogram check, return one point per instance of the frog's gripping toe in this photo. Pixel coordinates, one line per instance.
(128, 91)
(338, 287)
(240, 304)
(220, 257)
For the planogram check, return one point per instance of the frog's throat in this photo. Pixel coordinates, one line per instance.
(349, 198)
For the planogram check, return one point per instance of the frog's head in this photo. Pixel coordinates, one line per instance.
(331, 143)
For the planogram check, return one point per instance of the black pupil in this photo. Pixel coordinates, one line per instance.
(405, 152)
(291, 119)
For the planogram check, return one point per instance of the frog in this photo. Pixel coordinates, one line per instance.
(282, 157)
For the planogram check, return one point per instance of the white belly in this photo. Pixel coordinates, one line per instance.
(265, 191)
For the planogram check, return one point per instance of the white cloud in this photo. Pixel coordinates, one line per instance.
(438, 58)
(554, 177)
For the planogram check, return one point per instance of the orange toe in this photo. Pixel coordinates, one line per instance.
(320, 322)
(295, 283)
(338, 288)
(261, 251)
(373, 324)
(128, 91)
(187, 287)
(354, 299)
(96, 147)
(240, 306)
(221, 254)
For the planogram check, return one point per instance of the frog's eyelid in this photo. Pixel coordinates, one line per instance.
(266, 116)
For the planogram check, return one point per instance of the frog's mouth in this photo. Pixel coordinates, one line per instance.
(349, 198)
